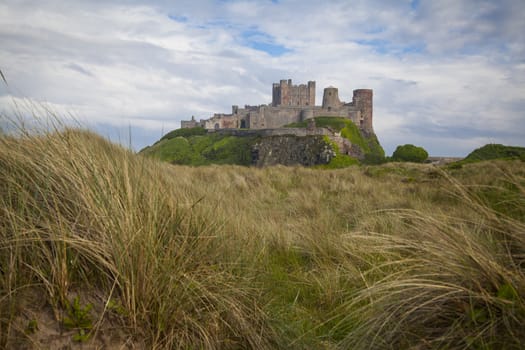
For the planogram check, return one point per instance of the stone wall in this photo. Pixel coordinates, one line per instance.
(363, 101)
(189, 123)
(299, 132)
(286, 94)
(331, 98)
(292, 150)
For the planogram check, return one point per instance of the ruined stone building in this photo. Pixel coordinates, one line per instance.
(290, 104)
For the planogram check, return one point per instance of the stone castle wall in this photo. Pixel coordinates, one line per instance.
(189, 123)
(287, 94)
(291, 104)
(275, 132)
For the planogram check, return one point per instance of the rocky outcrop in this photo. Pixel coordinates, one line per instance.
(348, 148)
(292, 150)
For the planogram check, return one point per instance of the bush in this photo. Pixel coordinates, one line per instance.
(410, 153)
(374, 159)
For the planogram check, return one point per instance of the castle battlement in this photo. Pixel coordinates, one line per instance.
(291, 104)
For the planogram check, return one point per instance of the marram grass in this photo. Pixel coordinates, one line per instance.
(80, 215)
(225, 257)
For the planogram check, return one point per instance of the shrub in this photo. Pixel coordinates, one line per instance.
(373, 159)
(410, 153)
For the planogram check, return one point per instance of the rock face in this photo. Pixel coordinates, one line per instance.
(348, 148)
(292, 150)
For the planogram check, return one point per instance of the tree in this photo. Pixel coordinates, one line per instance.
(410, 153)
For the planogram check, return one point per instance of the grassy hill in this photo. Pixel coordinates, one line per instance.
(196, 147)
(100, 247)
(495, 151)
(491, 152)
(203, 150)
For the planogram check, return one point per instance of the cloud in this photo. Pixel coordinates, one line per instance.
(446, 75)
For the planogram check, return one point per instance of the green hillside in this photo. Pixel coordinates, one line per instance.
(496, 151)
(197, 147)
(491, 152)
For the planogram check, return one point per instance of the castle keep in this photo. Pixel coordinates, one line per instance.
(291, 104)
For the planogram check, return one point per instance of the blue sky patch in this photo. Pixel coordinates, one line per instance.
(263, 42)
(176, 18)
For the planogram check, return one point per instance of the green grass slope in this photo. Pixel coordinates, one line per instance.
(491, 152)
(196, 147)
(496, 151)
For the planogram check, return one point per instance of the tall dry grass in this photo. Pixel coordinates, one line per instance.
(79, 214)
(452, 279)
(387, 257)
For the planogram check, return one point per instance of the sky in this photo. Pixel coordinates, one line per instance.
(447, 75)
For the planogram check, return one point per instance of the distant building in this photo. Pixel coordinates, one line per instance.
(290, 104)
(189, 123)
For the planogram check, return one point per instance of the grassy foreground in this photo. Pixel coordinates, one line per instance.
(100, 247)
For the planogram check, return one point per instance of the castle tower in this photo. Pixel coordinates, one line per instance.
(363, 101)
(311, 93)
(285, 86)
(276, 94)
(286, 94)
(331, 98)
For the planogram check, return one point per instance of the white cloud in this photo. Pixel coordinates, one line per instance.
(441, 71)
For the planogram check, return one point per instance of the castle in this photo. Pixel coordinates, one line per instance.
(291, 104)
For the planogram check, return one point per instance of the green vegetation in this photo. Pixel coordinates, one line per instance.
(32, 326)
(495, 151)
(369, 144)
(184, 132)
(490, 152)
(396, 256)
(78, 318)
(199, 149)
(410, 153)
(195, 146)
(340, 160)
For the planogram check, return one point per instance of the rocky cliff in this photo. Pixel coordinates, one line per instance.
(292, 150)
